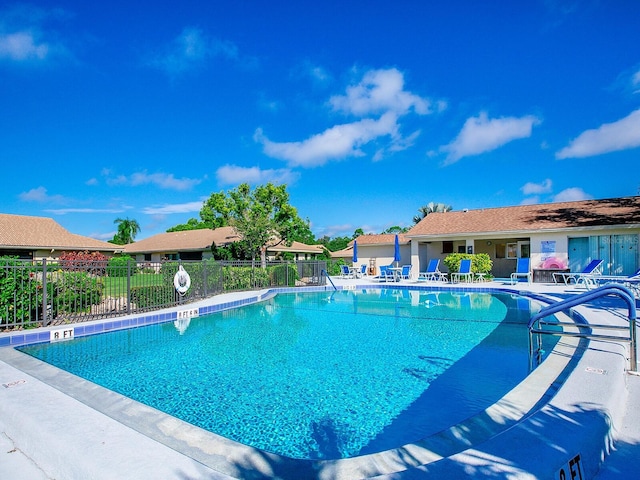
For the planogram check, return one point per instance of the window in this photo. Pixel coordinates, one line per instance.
(512, 250)
(447, 247)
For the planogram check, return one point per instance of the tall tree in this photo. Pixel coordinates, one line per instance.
(127, 231)
(192, 224)
(259, 216)
(431, 207)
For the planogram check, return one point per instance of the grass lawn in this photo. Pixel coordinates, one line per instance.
(117, 286)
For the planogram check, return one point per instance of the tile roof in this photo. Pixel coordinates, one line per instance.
(552, 216)
(187, 240)
(20, 232)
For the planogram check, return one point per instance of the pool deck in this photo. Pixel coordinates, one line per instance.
(49, 428)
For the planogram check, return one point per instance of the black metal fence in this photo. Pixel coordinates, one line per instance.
(34, 294)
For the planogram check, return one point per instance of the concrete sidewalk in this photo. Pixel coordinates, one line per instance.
(48, 434)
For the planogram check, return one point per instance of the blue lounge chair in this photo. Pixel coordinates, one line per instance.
(363, 270)
(585, 276)
(522, 270)
(632, 281)
(464, 272)
(345, 272)
(385, 274)
(405, 273)
(433, 273)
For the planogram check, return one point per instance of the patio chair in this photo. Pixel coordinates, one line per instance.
(522, 270)
(432, 273)
(464, 272)
(632, 281)
(345, 272)
(586, 275)
(363, 270)
(384, 274)
(405, 273)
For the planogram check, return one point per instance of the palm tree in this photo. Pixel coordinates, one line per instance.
(127, 231)
(431, 207)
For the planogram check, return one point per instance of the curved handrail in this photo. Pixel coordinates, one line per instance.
(610, 288)
(323, 271)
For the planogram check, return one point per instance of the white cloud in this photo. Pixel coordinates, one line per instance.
(64, 211)
(380, 91)
(531, 188)
(190, 49)
(40, 195)
(380, 99)
(235, 175)
(572, 195)
(175, 208)
(481, 134)
(25, 37)
(623, 134)
(635, 81)
(21, 46)
(337, 142)
(161, 180)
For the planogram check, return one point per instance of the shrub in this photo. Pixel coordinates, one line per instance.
(480, 262)
(118, 266)
(280, 275)
(74, 292)
(20, 291)
(90, 262)
(152, 295)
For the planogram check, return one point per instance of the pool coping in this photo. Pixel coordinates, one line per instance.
(224, 456)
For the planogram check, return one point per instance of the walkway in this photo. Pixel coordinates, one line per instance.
(47, 434)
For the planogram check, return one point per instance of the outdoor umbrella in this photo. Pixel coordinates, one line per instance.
(396, 251)
(355, 252)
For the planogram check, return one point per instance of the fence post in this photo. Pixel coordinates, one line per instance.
(204, 277)
(45, 311)
(128, 286)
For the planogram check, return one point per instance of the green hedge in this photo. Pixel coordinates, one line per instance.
(20, 291)
(74, 292)
(153, 295)
(480, 262)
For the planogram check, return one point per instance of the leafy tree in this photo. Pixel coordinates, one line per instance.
(396, 229)
(127, 231)
(258, 216)
(431, 207)
(192, 224)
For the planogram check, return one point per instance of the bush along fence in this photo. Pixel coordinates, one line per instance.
(43, 293)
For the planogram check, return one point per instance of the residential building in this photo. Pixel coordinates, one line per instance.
(37, 238)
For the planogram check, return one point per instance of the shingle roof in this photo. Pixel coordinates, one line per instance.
(188, 240)
(380, 239)
(25, 232)
(562, 215)
(296, 247)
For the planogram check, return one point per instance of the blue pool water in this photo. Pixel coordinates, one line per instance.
(318, 375)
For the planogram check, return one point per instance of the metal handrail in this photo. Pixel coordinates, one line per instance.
(620, 290)
(329, 278)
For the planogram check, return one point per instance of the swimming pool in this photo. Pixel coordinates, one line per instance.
(319, 375)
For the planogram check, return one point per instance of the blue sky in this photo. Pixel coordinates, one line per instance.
(367, 110)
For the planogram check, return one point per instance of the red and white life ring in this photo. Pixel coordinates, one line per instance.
(182, 281)
(553, 262)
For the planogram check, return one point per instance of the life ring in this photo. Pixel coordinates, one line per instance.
(553, 262)
(182, 281)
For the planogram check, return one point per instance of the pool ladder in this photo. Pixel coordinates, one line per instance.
(537, 324)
